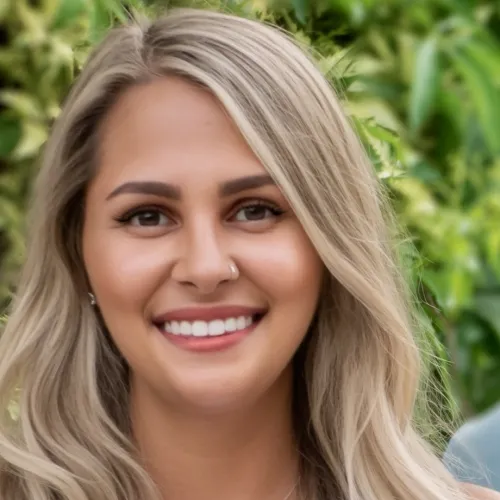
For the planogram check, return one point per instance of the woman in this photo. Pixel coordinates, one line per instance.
(209, 307)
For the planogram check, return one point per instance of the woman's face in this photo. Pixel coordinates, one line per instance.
(177, 197)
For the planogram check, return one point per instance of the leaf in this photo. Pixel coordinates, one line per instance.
(451, 287)
(425, 84)
(382, 146)
(34, 135)
(435, 282)
(301, 8)
(487, 308)
(32, 21)
(4, 8)
(10, 134)
(484, 95)
(100, 21)
(104, 13)
(23, 103)
(119, 8)
(486, 56)
(67, 12)
(493, 250)
(426, 172)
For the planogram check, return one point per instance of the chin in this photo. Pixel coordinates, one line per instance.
(217, 397)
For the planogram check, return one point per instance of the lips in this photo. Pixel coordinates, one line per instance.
(193, 314)
(208, 329)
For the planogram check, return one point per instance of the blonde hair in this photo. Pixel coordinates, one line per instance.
(357, 375)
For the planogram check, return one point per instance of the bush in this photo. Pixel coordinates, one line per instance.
(425, 77)
(41, 48)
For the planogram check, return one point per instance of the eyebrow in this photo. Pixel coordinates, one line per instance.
(173, 192)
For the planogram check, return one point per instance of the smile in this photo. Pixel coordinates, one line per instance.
(208, 329)
(212, 328)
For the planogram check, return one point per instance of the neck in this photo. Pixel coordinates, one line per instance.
(238, 455)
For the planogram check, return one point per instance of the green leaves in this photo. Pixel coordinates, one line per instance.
(99, 14)
(424, 94)
(10, 134)
(479, 68)
(103, 14)
(67, 11)
(44, 41)
(423, 90)
(301, 8)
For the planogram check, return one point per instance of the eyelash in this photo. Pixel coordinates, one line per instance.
(273, 208)
(127, 216)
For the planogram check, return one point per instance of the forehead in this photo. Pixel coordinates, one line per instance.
(170, 127)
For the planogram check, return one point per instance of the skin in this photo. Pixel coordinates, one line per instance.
(222, 418)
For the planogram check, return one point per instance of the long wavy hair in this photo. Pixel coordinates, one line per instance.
(358, 372)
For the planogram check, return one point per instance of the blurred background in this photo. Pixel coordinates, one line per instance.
(421, 81)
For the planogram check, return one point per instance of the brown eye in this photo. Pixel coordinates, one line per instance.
(257, 212)
(149, 218)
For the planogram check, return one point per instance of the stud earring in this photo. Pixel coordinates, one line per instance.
(92, 299)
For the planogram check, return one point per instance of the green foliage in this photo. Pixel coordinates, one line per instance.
(421, 83)
(42, 45)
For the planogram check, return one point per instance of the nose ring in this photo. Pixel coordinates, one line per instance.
(234, 271)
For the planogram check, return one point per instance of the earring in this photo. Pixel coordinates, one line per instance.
(234, 271)
(92, 299)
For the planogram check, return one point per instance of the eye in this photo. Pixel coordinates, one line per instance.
(147, 217)
(258, 211)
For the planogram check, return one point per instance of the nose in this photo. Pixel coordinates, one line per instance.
(204, 263)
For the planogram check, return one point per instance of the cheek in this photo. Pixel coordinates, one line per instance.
(123, 271)
(124, 274)
(288, 272)
(289, 269)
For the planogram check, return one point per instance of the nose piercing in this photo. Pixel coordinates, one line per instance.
(234, 271)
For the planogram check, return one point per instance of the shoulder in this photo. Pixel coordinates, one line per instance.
(478, 439)
(479, 493)
(473, 454)
(483, 425)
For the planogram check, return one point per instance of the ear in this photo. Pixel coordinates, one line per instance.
(479, 493)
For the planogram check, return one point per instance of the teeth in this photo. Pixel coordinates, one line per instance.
(212, 328)
(199, 329)
(185, 328)
(216, 327)
(230, 325)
